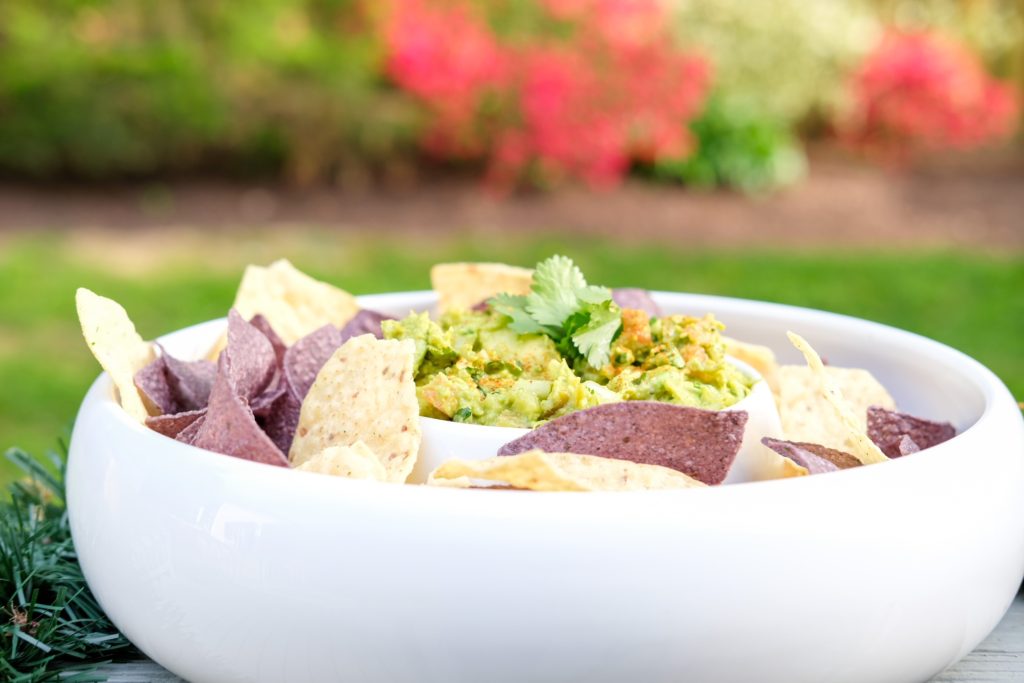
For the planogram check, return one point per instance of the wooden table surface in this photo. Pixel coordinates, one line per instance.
(998, 659)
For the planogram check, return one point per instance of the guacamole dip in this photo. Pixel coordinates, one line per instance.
(471, 366)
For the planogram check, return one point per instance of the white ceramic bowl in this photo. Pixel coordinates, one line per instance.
(225, 570)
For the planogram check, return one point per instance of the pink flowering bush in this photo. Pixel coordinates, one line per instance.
(596, 86)
(921, 91)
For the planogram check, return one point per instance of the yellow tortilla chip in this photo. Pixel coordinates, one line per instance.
(355, 462)
(791, 469)
(120, 350)
(761, 358)
(806, 415)
(464, 285)
(365, 392)
(292, 302)
(851, 430)
(539, 471)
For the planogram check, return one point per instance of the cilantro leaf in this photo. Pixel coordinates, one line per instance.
(581, 319)
(594, 340)
(558, 290)
(514, 306)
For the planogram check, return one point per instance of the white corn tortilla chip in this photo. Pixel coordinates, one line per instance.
(120, 350)
(761, 358)
(355, 462)
(853, 431)
(364, 392)
(464, 285)
(539, 471)
(807, 416)
(791, 469)
(292, 302)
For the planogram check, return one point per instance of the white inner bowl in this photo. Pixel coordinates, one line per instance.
(227, 571)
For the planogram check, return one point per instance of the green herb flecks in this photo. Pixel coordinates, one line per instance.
(582, 319)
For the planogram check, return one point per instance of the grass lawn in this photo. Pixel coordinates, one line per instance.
(972, 301)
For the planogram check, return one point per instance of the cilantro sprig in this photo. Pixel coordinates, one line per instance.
(582, 319)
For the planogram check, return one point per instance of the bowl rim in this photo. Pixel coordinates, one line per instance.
(989, 385)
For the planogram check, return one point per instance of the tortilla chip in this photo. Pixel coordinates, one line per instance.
(699, 443)
(282, 419)
(251, 358)
(899, 434)
(364, 322)
(791, 469)
(169, 386)
(365, 392)
(190, 382)
(154, 389)
(460, 286)
(536, 470)
(813, 458)
(292, 303)
(628, 297)
(303, 360)
(172, 425)
(120, 350)
(229, 426)
(905, 446)
(261, 324)
(188, 434)
(355, 462)
(851, 432)
(761, 358)
(806, 415)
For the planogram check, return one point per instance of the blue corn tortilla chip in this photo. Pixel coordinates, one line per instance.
(906, 445)
(364, 322)
(282, 419)
(628, 297)
(173, 425)
(899, 434)
(169, 386)
(251, 359)
(230, 427)
(263, 404)
(305, 357)
(154, 389)
(263, 325)
(816, 458)
(302, 363)
(700, 443)
(189, 381)
(188, 434)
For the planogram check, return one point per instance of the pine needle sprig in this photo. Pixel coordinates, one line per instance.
(51, 627)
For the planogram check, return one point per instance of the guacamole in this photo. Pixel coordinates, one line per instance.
(472, 367)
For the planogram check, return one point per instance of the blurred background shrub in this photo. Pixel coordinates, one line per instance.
(739, 146)
(784, 58)
(116, 87)
(537, 92)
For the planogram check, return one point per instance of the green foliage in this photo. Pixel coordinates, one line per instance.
(109, 88)
(114, 87)
(51, 627)
(737, 147)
